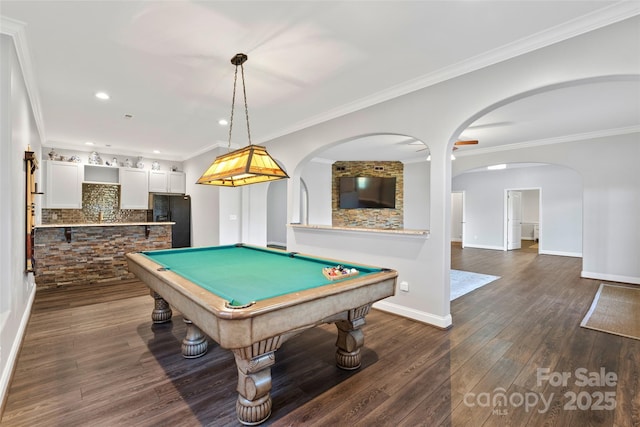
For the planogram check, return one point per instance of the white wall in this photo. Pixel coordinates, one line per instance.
(457, 215)
(18, 130)
(317, 176)
(530, 212)
(436, 116)
(205, 201)
(561, 188)
(416, 195)
(610, 199)
(277, 213)
(530, 206)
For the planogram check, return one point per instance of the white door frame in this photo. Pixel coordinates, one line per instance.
(506, 211)
(462, 216)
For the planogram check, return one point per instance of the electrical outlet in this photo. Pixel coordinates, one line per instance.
(404, 286)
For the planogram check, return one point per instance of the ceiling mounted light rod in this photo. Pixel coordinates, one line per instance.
(249, 165)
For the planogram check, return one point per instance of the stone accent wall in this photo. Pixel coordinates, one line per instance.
(96, 198)
(368, 218)
(95, 253)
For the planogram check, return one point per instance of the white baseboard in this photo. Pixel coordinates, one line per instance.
(15, 348)
(610, 277)
(442, 322)
(560, 253)
(495, 248)
(283, 244)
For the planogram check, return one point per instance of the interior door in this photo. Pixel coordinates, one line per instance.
(514, 220)
(457, 216)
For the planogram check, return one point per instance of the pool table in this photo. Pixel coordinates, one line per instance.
(251, 299)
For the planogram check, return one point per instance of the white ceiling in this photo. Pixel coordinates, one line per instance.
(166, 63)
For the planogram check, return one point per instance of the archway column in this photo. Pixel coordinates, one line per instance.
(440, 220)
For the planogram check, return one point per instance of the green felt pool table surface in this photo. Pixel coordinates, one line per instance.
(243, 274)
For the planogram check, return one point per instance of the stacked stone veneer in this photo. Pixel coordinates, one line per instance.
(368, 218)
(94, 254)
(96, 198)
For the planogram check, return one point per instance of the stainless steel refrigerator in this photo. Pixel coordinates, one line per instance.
(175, 208)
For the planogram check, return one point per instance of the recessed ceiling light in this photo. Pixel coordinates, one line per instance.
(223, 122)
(156, 151)
(497, 167)
(88, 143)
(102, 95)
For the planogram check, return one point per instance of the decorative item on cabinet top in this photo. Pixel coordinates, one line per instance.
(94, 158)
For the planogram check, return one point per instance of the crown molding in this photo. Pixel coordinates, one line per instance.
(549, 141)
(592, 21)
(217, 144)
(15, 30)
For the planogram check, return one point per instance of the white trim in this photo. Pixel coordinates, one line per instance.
(15, 29)
(12, 358)
(549, 141)
(495, 248)
(610, 277)
(564, 31)
(560, 253)
(443, 322)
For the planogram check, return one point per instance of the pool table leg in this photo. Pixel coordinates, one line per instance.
(351, 338)
(194, 343)
(254, 380)
(162, 310)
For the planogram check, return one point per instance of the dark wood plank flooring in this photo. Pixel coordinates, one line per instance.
(92, 357)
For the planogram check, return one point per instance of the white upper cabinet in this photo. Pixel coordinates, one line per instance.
(177, 182)
(63, 185)
(157, 181)
(134, 189)
(167, 182)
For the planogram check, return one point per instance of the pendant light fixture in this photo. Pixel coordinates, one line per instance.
(249, 165)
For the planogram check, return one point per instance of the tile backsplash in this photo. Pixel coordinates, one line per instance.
(96, 199)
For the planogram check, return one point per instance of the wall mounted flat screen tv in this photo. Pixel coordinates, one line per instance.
(367, 192)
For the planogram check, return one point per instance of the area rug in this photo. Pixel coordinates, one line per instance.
(615, 310)
(463, 282)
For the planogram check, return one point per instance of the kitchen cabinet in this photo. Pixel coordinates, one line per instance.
(167, 182)
(157, 181)
(98, 174)
(177, 182)
(134, 189)
(63, 185)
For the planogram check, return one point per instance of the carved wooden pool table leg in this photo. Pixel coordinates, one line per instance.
(194, 343)
(351, 338)
(162, 310)
(254, 380)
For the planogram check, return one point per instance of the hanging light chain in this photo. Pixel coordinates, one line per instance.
(233, 104)
(246, 106)
(238, 60)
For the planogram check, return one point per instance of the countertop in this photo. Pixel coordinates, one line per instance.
(394, 231)
(102, 224)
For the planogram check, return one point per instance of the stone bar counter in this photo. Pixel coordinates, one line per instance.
(72, 254)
